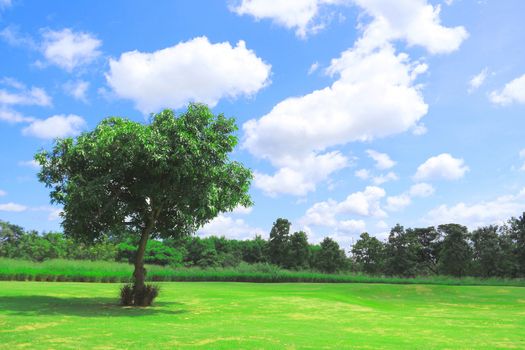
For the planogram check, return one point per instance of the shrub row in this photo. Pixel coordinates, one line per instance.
(85, 271)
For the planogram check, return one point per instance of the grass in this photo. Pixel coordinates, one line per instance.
(104, 271)
(263, 316)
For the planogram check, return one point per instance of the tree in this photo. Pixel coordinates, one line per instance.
(299, 251)
(368, 252)
(429, 246)
(330, 257)
(488, 255)
(402, 252)
(158, 180)
(518, 236)
(279, 243)
(455, 255)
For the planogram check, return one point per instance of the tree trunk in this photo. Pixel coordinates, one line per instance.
(139, 275)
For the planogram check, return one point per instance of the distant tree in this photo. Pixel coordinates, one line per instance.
(255, 250)
(518, 236)
(402, 252)
(330, 257)
(202, 253)
(369, 254)
(158, 180)
(429, 240)
(455, 254)
(279, 242)
(299, 251)
(488, 255)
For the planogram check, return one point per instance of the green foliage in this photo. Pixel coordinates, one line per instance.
(299, 251)
(369, 254)
(456, 253)
(279, 243)
(173, 175)
(402, 253)
(330, 257)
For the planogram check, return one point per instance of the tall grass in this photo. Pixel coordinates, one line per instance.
(104, 271)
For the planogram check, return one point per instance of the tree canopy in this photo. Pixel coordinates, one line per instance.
(162, 179)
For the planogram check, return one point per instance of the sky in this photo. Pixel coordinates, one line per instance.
(353, 115)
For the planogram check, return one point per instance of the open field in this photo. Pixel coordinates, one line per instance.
(246, 315)
(105, 271)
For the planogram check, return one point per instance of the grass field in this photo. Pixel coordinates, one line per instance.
(246, 315)
(106, 271)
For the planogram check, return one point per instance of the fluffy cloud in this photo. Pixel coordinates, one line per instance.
(2, 193)
(477, 214)
(224, 225)
(12, 207)
(56, 126)
(415, 21)
(335, 215)
(421, 190)
(476, 81)
(11, 116)
(374, 94)
(33, 96)
(513, 92)
(396, 203)
(363, 174)
(68, 49)
(381, 179)
(195, 70)
(300, 15)
(300, 177)
(443, 166)
(382, 160)
(77, 89)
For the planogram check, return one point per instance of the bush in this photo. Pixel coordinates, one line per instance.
(129, 296)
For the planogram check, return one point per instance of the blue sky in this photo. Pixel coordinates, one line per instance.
(353, 114)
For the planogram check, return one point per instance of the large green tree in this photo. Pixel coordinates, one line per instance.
(369, 254)
(455, 254)
(158, 180)
(279, 242)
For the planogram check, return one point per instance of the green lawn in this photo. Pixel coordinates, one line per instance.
(245, 315)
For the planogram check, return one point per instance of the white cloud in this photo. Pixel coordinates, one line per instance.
(443, 166)
(313, 68)
(191, 71)
(375, 94)
(396, 203)
(421, 190)
(30, 164)
(473, 215)
(68, 49)
(382, 225)
(12, 207)
(363, 174)
(240, 210)
(30, 97)
(300, 15)
(513, 92)
(12, 116)
(338, 215)
(13, 37)
(415, 21)
(224, 225)
(419, 129)
(364, 203)
(77, 89)
(344, 112)
(382, 160)
(300, 176)
(381, 179)
(476, 81)
(56, 126)
(2, 193)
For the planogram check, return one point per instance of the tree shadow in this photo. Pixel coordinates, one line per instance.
(38, 305)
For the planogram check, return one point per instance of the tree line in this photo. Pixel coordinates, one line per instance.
(450, 249)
